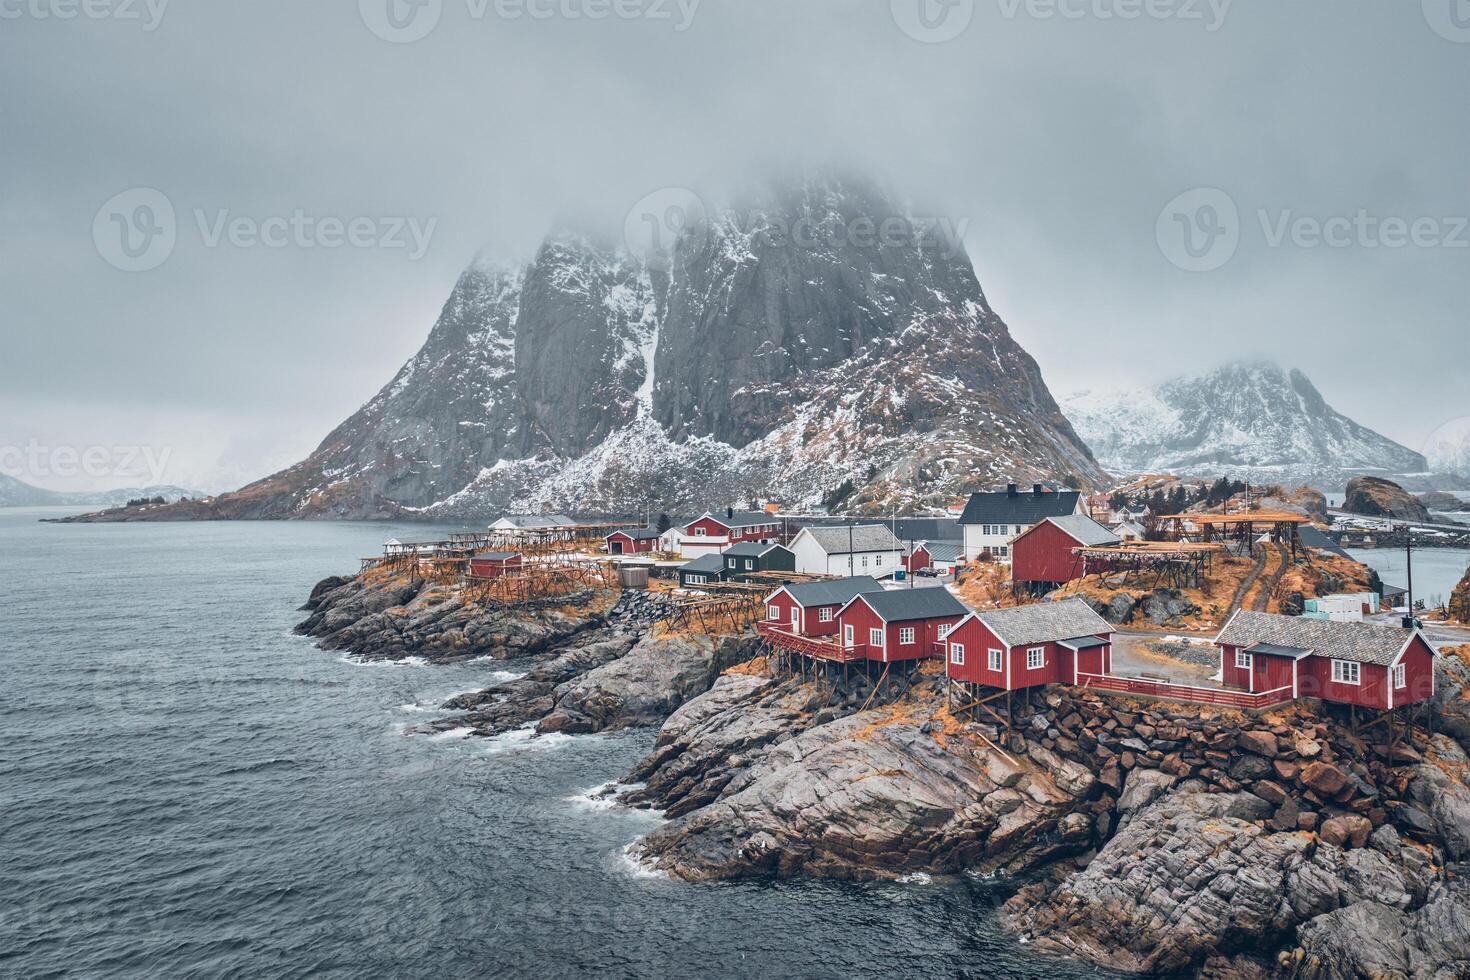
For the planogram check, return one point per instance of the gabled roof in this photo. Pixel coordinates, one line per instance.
(899, 605)
(942, 550)
(1080, 528)
(928, 529)
(710, 564)
(637, 533)
(843, 540)
(750, 549)
(494, 555)
(1362, 642)
(531, 521)
(1312, 537)
(1026, 507)
(1046, 622)
(741, 518)
(833, 592)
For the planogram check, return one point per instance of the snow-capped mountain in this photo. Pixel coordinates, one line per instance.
(752, 364)
(1249, 419)
(16, 493)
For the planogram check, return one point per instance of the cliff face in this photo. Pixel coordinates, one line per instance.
(788, 350)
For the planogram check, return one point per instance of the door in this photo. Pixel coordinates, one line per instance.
(796, 619)
(617, 547)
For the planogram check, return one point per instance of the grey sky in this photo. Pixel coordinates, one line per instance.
(1058, 133)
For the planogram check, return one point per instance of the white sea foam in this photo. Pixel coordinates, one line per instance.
(916, 878)
(453, 733)
(625, 861)
(526, 739)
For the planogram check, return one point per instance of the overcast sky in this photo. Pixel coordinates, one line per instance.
(1060, 130)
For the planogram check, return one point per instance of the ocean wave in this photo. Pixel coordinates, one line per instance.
(258, 766)
(625, 861)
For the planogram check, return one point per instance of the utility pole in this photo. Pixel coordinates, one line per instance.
(1409, 565)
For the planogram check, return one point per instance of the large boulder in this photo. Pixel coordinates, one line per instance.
(1373, 939)
(1439, 787)
(1374, 496)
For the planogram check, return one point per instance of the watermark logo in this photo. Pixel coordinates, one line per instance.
(1450, 19)
(666, 226)
(405, 21)
(145, 465)
(1199, 230)
(932, 21)
(136, 231)
(148, 13)
(1208, 13)
(401, 21)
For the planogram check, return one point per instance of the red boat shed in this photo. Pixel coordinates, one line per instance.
(1376, 667)
(632, 541)
(898, 625)
(493, 564)
(810, 609)
(1030, 646)
(1042, 556)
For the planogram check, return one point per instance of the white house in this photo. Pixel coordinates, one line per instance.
(869, 549)
(991, 519)
(532, 522)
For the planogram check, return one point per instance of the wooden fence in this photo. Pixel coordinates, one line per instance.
(1184, 692)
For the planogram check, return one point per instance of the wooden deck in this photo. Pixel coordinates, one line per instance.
(1144, 687)
(819, 648)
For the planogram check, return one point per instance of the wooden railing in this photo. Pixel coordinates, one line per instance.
(822, 648)
(1184, 692)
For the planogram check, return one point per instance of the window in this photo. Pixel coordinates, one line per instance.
(1242, 660)
(1399, 680)
(1036, 658)
(825, 614)
(944, 629)
(906, 636)
(1003, 529)
(699, 532)
(749, 563)
(985, 529)
(1347, 672)
(865, 561)
(957, 653)
(694, 580)
(773, 613)
(875, 637)
(995, 660)
(878, 561)
(847, 638)
(1004, 551)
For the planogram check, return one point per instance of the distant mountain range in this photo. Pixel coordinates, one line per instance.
(15, 493)
(1252, 420)
(837, 367)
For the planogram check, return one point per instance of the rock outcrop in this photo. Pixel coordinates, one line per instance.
(1373, 496)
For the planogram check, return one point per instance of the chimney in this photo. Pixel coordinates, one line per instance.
(1036, 489)
(1010, 489)
(729, 513)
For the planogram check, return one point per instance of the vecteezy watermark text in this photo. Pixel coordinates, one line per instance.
(138, 229)
(1201, 229)
(936, 21)
(36, 460)
(147, 12)
(405, 21)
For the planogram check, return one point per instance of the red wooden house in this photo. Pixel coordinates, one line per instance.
(810, 609)
(1378, 667)
(903, 624)
(634, 540)
(1042, 556)
(1029, 646)
(493, 564)
(733, 528)
(942, 556)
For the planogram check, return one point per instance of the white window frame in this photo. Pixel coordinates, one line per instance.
(943, 630)
(1035, 658)
(1003, 551)
(774, 614)
(997, 661)
(875, 636)
(700, 532)
(749, 564)
(905, 636)
(865, 561)
(1242, 660)
(957, 654)
(848, 639)
(695, 579)
(878, 560)
(825, 614)
(1347, 672)
(1400, 677)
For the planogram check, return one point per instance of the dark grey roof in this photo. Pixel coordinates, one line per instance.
(494, 555)
(843, 540)
(710, 564)
(832, 593)
(744, 518)
(928, 529)
(638, 533)
(1313, 537)
(902, 604)
(1026, 507)
(1363, 642)
(750, 549)
(1045, 622)
(1394, 590)
(1084, 530)
(1083, 642)
(943, 550)
(1275, 650)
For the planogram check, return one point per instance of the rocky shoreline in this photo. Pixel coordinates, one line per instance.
(1141, 836)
